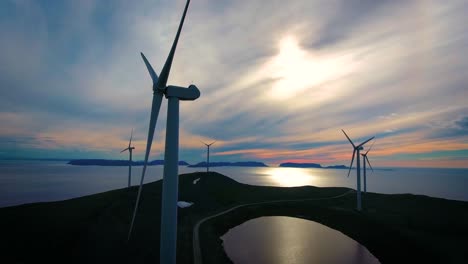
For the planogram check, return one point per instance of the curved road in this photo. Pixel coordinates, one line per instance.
(197, 258)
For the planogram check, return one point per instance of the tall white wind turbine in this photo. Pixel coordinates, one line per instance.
(130, 150)
(357, 149)
(168, 240)
(364, 160)
(208, 155)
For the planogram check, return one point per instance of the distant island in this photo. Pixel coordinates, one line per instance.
(230, 164)
(337, 167)
(310, 165)
(105, 162)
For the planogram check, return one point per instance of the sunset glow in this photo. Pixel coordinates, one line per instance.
(296, 69)
(277, 84)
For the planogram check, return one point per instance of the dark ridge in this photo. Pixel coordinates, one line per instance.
(397, 228)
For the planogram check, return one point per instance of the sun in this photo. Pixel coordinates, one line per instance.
(296, 69)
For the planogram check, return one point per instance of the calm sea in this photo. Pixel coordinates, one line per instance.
(36, 181)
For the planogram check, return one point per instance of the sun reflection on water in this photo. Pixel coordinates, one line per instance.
(291, 177)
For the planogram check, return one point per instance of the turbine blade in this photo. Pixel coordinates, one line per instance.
(368, 162)
(348, 138)
(131, 136)
(352, 160)
(153, 74)
(366, 141)
(157, 99)
(203, 143)
(124, 150)
(370, 148)
(162, 82)
(212, 143)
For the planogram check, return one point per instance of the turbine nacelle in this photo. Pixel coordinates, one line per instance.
(185, 94)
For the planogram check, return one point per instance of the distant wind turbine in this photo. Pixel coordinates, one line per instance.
(130, 150)
(357, 149)
(174, 94)
(208, 155)
(364, 159)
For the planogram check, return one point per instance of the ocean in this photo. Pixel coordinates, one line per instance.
(39, 181)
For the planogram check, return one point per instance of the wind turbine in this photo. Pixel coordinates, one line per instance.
(168, 240)
(130, 150)
(364, 159)
(357, 149)
(208, 155)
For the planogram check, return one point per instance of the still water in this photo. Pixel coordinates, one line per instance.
(287, 240)
(36, 181)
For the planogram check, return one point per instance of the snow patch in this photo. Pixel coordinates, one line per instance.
(196, 180)
(183, 204)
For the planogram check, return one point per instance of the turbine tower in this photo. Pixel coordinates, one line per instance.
(364, 159)
(208, 155)
(130, 150)
(168, 240)
(357, 149)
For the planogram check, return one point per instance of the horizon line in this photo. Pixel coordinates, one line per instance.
(269, 164)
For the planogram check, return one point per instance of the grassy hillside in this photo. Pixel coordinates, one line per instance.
(395, 228)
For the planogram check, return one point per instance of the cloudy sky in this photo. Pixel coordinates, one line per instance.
(279, 79)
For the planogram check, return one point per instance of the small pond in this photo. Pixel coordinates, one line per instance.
(288, 240)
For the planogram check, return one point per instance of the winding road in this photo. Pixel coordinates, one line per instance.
(197, 257)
